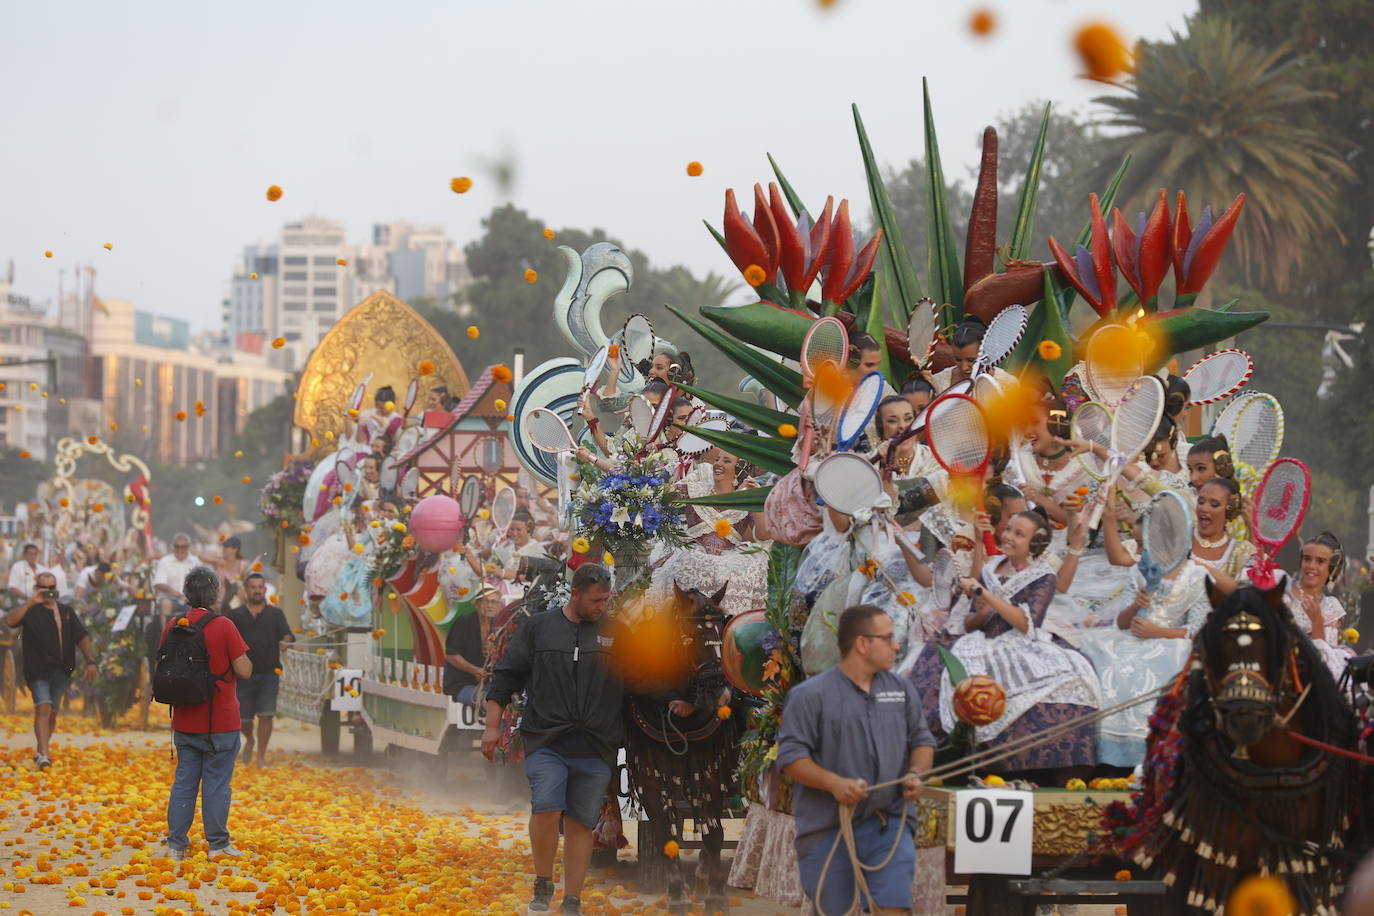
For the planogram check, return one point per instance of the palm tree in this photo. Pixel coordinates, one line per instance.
(1215, 116)
(680, 287)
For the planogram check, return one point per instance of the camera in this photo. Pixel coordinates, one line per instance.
(49, 593)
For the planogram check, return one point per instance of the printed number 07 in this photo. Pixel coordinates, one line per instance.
(971, 819)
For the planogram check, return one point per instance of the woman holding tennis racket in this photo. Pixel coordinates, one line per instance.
(1001, 615)
(965, 342)
(1224, 557)
(1318, 613)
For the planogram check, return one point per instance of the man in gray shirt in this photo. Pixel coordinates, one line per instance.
(853, 726)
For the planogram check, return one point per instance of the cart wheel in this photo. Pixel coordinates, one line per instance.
(145, 694)
(9, 679)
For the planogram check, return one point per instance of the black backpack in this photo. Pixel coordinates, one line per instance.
(182, 676)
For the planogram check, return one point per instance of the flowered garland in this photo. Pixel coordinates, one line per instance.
(393, 551)
(120, 654)
(631, 506)
(284, 495)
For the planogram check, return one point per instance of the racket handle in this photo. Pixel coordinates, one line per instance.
(807, 436)
(990, 545)
(1100, 503)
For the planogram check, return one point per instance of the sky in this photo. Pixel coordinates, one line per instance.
(158, 126)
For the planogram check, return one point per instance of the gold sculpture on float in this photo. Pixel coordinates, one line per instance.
(385, 337)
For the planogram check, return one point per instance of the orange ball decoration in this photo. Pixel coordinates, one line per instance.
(979, 700)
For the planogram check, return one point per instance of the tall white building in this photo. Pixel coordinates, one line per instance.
(300, 288)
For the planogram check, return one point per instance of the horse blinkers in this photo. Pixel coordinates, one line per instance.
(1246, 701)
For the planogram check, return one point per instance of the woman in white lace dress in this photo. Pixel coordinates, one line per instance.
(1317, 613)
(729, 546)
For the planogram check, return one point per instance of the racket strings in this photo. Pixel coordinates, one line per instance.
(1166, 534)
(828, 342)
(847, 483)
(1137, 417)
(1280, 502)
(958, 435)
(1002, 335)
(1257, 434)
(547, 430)
(1218, 375)
(858, 410)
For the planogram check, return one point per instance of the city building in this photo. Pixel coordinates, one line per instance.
(148, 371)
(296, 288)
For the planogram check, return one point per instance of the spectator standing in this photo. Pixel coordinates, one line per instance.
(465, 647)
(206, 736)
(172, 569)
(264, 628)
(855, 725)
(52, 634)
(24, 572)
(571, 726)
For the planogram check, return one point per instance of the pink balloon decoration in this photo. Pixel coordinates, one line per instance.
(435, 522)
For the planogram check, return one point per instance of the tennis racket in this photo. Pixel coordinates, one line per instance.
(920, 331)
(412, 390)
(547, 431)
(1001, 338)
(692, 444)
(858, 410)
(410, 482)
(1113, 363)
(1280, 504)
(662, 417)
(1218, 375)
(503, 511)
(1253, 425)
(1133, 426)
(637, 339)
(958, 435)
(355, 400)
(469, 501)
(595, 367)
(641, 414)
(1166, 537)
(826, 342)
(1092, 423)
(347, 475)
(987, 390)
(848, 483)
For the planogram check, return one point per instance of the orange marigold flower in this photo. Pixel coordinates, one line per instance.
(247, 479)
(787, 431)
(613, 351)
(723, 528)
(181, 416)
(1103, 52)
(274, 192)
(460, 185)
(548, 233)
(724, 712)
(252, 276)
(257, 566)
(305, 540)
(473, 332)
(671, 849)
(63, 502)
(502, 373)
(285, 523)
(217, 500)
(694, 169)
(425, 367)
(1049, 350)
(47, 254)
(184, 622)
(754, 275)
(982, 22)
(377, 582)
(278, 343)
(531, 275)
(114, 427)
(343, 262)
(92, 439)
(1123, 875)
(1262, 895)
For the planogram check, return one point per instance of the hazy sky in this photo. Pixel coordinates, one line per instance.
(158, 126)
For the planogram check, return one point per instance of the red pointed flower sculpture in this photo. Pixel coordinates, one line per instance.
(844, 270)
(802, 246)
(753, 242)
(1143, 255)
(1090, 272)
(1196, 251)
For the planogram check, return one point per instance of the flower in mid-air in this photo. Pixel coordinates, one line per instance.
(274, 192)
(460, 185)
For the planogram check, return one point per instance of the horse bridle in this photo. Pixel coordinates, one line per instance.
(1245, 684)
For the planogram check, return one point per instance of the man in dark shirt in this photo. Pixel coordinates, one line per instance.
(571, 726)
(264, 628)
(465, 647)
(52, 634)
(849, 727)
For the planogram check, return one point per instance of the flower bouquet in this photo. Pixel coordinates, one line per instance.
(630, 508)
(283, 497)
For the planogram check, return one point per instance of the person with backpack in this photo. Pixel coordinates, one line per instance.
(200, 658)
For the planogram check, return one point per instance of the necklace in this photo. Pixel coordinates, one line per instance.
(903, 462)
(1210, 545)
(1046, 459)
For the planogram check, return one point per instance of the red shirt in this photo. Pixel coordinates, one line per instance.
(225, 644)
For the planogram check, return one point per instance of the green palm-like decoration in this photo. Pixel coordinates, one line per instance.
(1212, 114)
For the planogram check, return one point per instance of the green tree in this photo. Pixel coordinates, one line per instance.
(20, 478)
(1215, 115)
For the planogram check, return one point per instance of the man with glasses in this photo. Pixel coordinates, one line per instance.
(52, 634)
(172, 569)
(852, 726)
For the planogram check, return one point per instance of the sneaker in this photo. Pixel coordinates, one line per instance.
(228, 851)
(177, 854)
(572, 906)
(41, 761)
(543, 896)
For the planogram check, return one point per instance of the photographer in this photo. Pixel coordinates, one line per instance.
(52, 634)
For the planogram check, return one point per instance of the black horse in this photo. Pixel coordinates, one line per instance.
(682, 767)
(1228, 790)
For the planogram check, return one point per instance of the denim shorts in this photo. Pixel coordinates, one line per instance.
(50, 689)
(257, 696)
(573, 785)
(890, 886)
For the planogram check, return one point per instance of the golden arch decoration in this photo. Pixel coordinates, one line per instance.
(381, 335)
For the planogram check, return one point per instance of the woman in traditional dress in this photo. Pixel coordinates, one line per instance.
(1225, 557)
(1046, 680)
(1317, 613)
(1144, 651)
(728, 546)
(506, 554)
(966, 341)
(232, 569)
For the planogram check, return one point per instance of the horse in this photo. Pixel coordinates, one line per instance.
(1227, 790)
(685, 767)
